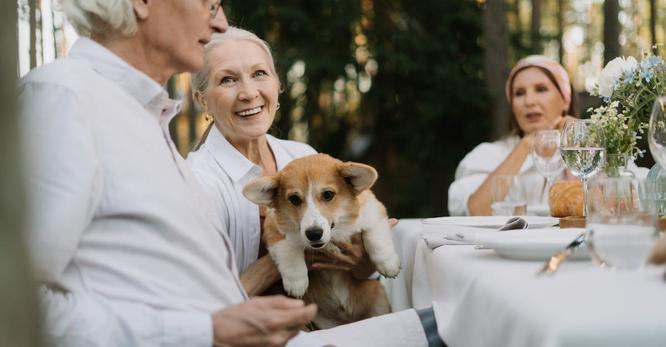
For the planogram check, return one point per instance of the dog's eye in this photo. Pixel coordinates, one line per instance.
(295, 200)
(327, 195)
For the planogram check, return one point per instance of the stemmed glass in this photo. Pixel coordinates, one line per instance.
(657, 131)
(546, 155)
(582, 150)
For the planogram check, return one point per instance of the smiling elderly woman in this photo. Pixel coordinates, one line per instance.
(239, 87)
(540, 95)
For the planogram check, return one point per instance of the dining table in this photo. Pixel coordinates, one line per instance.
(482, 298)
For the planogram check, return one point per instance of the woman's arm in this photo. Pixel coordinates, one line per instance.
(259, 276)
(479, 202)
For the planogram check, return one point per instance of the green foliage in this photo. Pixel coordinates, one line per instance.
(426, 106)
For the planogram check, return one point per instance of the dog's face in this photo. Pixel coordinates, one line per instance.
(312, 195)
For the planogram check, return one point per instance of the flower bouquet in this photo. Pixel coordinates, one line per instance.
(628, 88)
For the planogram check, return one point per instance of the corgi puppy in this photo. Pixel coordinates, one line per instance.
(311, 202)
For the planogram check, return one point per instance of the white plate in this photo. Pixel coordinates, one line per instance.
(538, 244)
(492, 222)
(538, 210)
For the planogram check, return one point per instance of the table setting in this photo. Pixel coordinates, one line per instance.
(575, 273)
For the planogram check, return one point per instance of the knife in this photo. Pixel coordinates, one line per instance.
(554, 262)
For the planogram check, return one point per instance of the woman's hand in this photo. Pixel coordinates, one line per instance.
(352, 257)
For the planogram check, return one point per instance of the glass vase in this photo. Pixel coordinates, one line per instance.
(616, 166)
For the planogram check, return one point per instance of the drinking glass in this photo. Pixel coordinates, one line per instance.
(621, 222)
(508, 196)
(582, 149)
(546, 155)
(657, 131)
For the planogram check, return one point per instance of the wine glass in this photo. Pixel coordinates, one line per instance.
(582, 149)
(621, 222)
(657, 131)
(546, 155)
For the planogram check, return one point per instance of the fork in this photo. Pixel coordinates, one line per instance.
(553, 263)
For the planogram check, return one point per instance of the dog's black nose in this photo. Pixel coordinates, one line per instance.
(314, 233)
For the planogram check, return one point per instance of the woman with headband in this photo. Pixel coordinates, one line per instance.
(540, 97)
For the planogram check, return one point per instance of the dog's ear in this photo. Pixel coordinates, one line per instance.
(262, 190)
(359, 176)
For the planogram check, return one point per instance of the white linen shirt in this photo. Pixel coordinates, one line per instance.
(224, 171)
(118, 228)
(479, 163)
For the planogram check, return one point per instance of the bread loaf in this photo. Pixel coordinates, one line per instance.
(566, 199)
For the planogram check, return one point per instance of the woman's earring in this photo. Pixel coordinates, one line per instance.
(278, 106)
(208, 117)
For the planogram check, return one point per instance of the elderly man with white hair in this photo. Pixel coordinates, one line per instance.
(122, 239)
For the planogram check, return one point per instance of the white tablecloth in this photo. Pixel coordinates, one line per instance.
(481, 299)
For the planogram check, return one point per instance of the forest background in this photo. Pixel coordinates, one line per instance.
(406, 86)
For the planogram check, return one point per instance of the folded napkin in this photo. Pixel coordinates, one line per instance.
(434, 241)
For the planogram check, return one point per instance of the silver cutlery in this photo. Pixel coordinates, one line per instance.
(553, 263)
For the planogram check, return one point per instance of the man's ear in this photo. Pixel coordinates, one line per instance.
(141, 8)
(262, 191)
(359, 176)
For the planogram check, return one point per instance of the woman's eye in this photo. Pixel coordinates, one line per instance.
(327, 195)
(519, 93)
(226, 79)
(541, 88)
(295, 200)
(259, 73)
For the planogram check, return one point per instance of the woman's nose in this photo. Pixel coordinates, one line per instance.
(219, 23)
(248, 90)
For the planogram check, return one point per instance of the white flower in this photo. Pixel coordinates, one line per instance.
(612, 72)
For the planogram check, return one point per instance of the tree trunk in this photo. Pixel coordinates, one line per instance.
(496, 38)
(18, 316)
(535, 26)
(33, 33)
(612, 47)
(560, 30)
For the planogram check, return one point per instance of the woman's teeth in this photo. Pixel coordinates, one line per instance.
(249, 112)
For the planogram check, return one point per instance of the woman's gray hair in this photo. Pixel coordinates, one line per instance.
(100, 18)
(200, 79)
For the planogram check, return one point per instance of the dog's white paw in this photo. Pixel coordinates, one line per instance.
(389, 266)
(295, 285)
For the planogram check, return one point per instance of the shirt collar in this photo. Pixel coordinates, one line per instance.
(233, 162)
(145, 90)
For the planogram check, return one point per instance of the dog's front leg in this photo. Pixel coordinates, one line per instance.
(290, 259)
(378, 243)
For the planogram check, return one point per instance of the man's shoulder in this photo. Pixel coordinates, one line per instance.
(65, 72)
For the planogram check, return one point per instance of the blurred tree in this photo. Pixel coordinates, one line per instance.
(535, 28)
(394, 83)
(612, 28)
(496, 43)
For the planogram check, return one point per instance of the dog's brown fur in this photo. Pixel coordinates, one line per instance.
(341, 298)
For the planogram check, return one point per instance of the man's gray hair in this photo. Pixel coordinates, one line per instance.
(200, 79)
(100, 18)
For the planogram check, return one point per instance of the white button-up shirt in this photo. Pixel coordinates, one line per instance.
(224, 171)
(118, 225)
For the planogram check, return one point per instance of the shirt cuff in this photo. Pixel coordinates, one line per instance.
(187, 329)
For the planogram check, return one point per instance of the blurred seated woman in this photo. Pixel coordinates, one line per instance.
(239, 87)
(540, 97)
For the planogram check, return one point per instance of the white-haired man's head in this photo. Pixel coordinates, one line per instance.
(100, 18)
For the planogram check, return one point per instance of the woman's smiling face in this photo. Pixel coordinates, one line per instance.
(242, 91)
(536, 102)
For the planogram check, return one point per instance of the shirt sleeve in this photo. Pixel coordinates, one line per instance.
(470, 174)
(61, 175)
(77, 319)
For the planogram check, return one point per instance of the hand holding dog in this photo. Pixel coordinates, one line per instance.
(261, 321)
(352, 258)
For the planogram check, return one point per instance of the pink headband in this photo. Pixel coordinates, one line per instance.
(560, 74)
